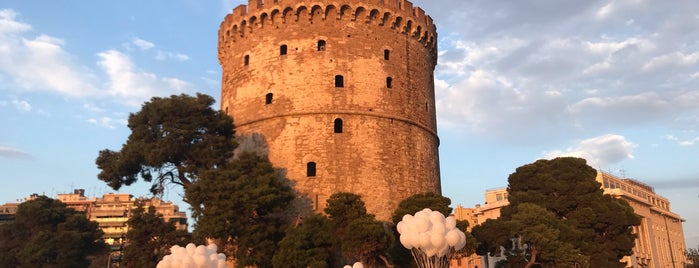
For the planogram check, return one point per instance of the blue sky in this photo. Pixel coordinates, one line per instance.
(616, 82)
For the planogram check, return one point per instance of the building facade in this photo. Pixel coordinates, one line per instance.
(660, 237)
(342, 92)
(111, 211)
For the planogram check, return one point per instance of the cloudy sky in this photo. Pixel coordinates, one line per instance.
(615, 82)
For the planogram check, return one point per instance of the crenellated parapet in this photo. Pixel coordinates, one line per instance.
(398, 15)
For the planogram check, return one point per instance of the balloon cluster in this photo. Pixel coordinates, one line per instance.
(431, 237)
(355, 265)
(193, 257)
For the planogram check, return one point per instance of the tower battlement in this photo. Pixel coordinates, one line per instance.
(399, 15)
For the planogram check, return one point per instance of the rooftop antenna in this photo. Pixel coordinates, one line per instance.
(623, 173)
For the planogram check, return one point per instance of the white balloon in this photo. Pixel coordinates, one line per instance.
(200, 260)
(407, 217)
(436, 217)
(437, 240)
(451, 223)
(346, 266)
(425, 241)
(423, 225)
(200, 250)
(212, 248)
(438, 228)
(358, 265)
(462, 241)
(453, 238)
(431, 252)
(399, 227)
(191, 248)
(221, 264)
(405, 241)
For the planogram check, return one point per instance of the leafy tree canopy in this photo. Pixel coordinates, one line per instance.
(244, 203)
(307, 245)
(149, 237)
(172, 139)
(418, 202)
(46, 233)
(597, 225)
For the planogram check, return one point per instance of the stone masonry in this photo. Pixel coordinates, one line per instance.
(342, 91)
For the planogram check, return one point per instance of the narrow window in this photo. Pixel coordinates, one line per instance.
(386, 54)
(268, 98)
(282, 50)
(338, 125)
(339, 81)
(311, 169)
(246, 61)
(321, 45)
(389, 81)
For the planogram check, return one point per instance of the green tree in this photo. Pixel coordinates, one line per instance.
(172, 139)
(242, 203)
(692, 255)
(149, 237)
(46, 233)
(307, 245)
(597, 225)
(360, 236)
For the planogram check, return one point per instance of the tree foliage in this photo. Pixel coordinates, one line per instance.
(242, 203)
(307, 245)
(172, 139)
(597, 226)
(692, 255)
(359, 236)
(149, 237)
(46, 233)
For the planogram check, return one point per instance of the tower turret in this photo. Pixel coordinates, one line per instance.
(343, 93)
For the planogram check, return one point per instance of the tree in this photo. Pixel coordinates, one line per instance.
(242, 203)
(149, 237)
(172, 140)
(307, 245)
(361, 237)
(692, 255)
(46, 233)
(597, 225)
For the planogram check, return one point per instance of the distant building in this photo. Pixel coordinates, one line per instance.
(111, 212)
(660, 238)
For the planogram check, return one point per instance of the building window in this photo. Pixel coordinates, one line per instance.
(337, 125)
(339, 81)
(282, 50)
(389, 80)
(386, 54)
(321, 45)
(246, 61)
(311, 169)
(268, 98)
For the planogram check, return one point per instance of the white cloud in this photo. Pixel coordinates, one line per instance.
(107, 122)
(600, 152)
(9, 152)
(22, 105)
(133, 86)
(142, 44)
(164, 55)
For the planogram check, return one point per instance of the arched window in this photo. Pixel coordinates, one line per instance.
(389, 81)
(337, 125)
(386, 54)
(311, 169)
(339, 81)
(282, 50)
(321, 45)
(268, 98)
(246, 61)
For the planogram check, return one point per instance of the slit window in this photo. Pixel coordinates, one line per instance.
(268, 98)
(339, 81)
(386, 54)
(389, 81)
(246, 60)
(282, 50)
(321, 45)
(337, 128)
(311, 169)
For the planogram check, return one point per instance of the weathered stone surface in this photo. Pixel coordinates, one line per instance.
(387, 150)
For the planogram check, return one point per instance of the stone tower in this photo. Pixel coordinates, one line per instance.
(342, 91)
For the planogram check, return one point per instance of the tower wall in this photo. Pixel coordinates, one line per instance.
(387, 148)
